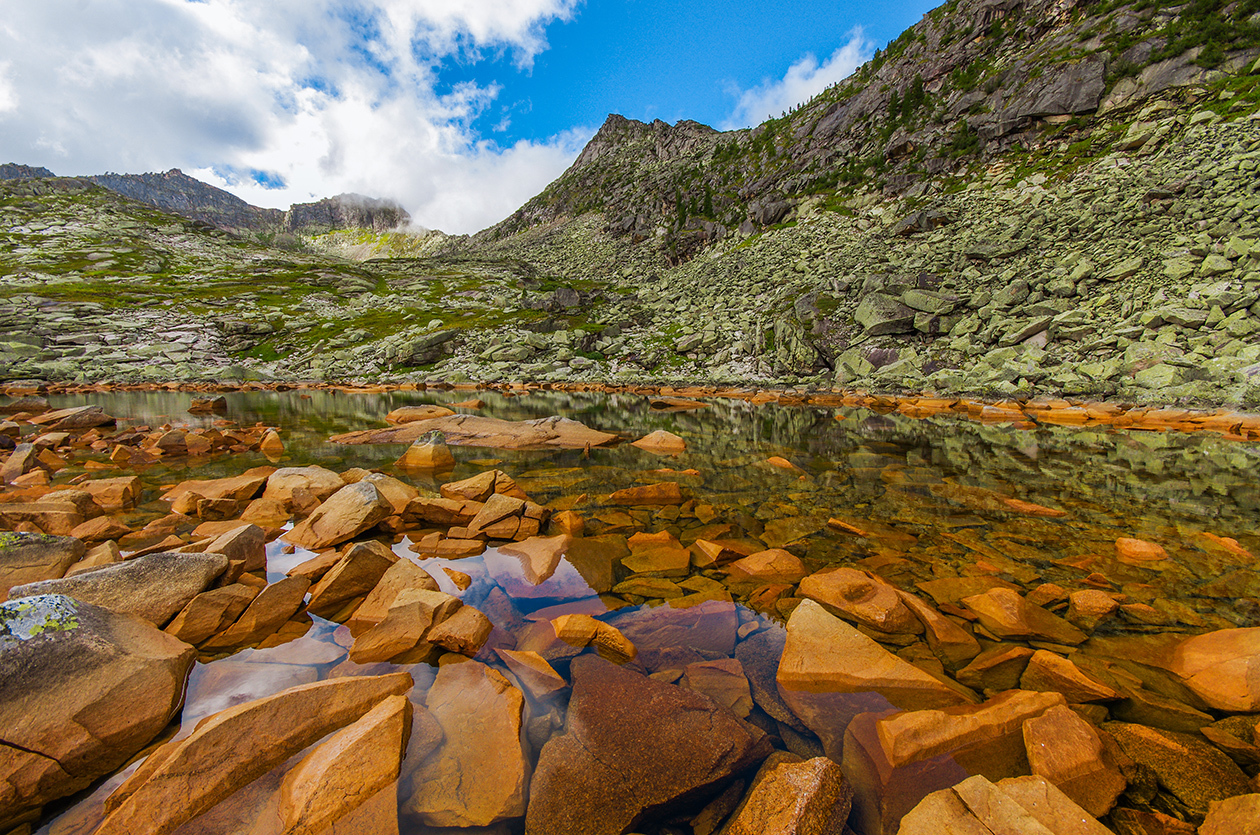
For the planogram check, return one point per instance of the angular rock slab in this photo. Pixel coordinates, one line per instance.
(155, 587)
(348, 769)
(632, 748)
(894, 760)
(344, 515)
(480, 775)
(830, 672)
(230, 749)
(32, 557)
(1222, 668)
(809, 798)
(1066, 750)
(1016, 806)
(82, 689)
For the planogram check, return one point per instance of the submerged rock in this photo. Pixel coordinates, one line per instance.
(830, 672)
(348, 769)
(82, 689)
(1222, 668)
(633, 748)
(480, 775)
(188, 776)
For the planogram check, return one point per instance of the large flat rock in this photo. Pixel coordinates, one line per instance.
(154, 587)
(475, 430)
(82, 689)
(632, 749)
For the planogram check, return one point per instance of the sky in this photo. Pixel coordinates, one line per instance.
(461, 110)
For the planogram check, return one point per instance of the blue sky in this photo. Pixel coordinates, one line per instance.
(663, 59)
(460, 109)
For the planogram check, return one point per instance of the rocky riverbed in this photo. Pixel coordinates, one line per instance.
(518, 610)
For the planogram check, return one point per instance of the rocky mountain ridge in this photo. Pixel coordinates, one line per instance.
(1011, 253)
(176, 192)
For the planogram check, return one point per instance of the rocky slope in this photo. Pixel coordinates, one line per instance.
(1013, 199)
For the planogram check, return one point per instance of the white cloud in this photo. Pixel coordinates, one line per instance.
(8, 95)
(803, 80)
(327, 95)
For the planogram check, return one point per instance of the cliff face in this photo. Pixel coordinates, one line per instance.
(974, 80)
(13, 171)
(345, 211)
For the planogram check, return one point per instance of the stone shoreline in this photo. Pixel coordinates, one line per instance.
(1231, 424)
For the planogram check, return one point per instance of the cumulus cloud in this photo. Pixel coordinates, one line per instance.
(282, 101)
(803, 80)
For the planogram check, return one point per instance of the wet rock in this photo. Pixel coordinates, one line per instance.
(807, 798)
(211, 612)
(723, 681)
(465, 632)
(428, 453)
(1222, 668)
(345, 771)
(894, 760)
(1008, 615)
(659, 744)
(1142, 822)
(113, 494)
(1088, 608)
(403, 574)
(476, 430)
(344, 515)
(31, 557)
(1068, 751)
(830, 672)
(536, 677)
(273, 606)
(354, 576)
(480, 775)
(585, 631)
(1234, 816)
(953, 645)
(771, 566)
(77, 417)
(1049, 672)
(539, 556)
(657, 555)
(661, 493)
(208, 405)
(402, 632)
(293, 487)
(81, 690)
(188, 776)
(759, 656)
(662, 442)
(246, 544)
(1193, 771)
(238, 488)
(411, 414)
(861, 597)
(153, 587)
(978, 806)
(996, 669)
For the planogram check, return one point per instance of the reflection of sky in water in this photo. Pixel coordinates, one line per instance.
(925, 488)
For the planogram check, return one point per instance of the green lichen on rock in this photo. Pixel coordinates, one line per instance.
(27, 618)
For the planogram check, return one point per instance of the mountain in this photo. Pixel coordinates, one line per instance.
(973, 81)
(176, 192)
(1015, 199)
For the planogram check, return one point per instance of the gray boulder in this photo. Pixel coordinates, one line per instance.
(154, 587)
(81, 691)
(880, 314)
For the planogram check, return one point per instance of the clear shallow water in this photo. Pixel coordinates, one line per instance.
(929, 494)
